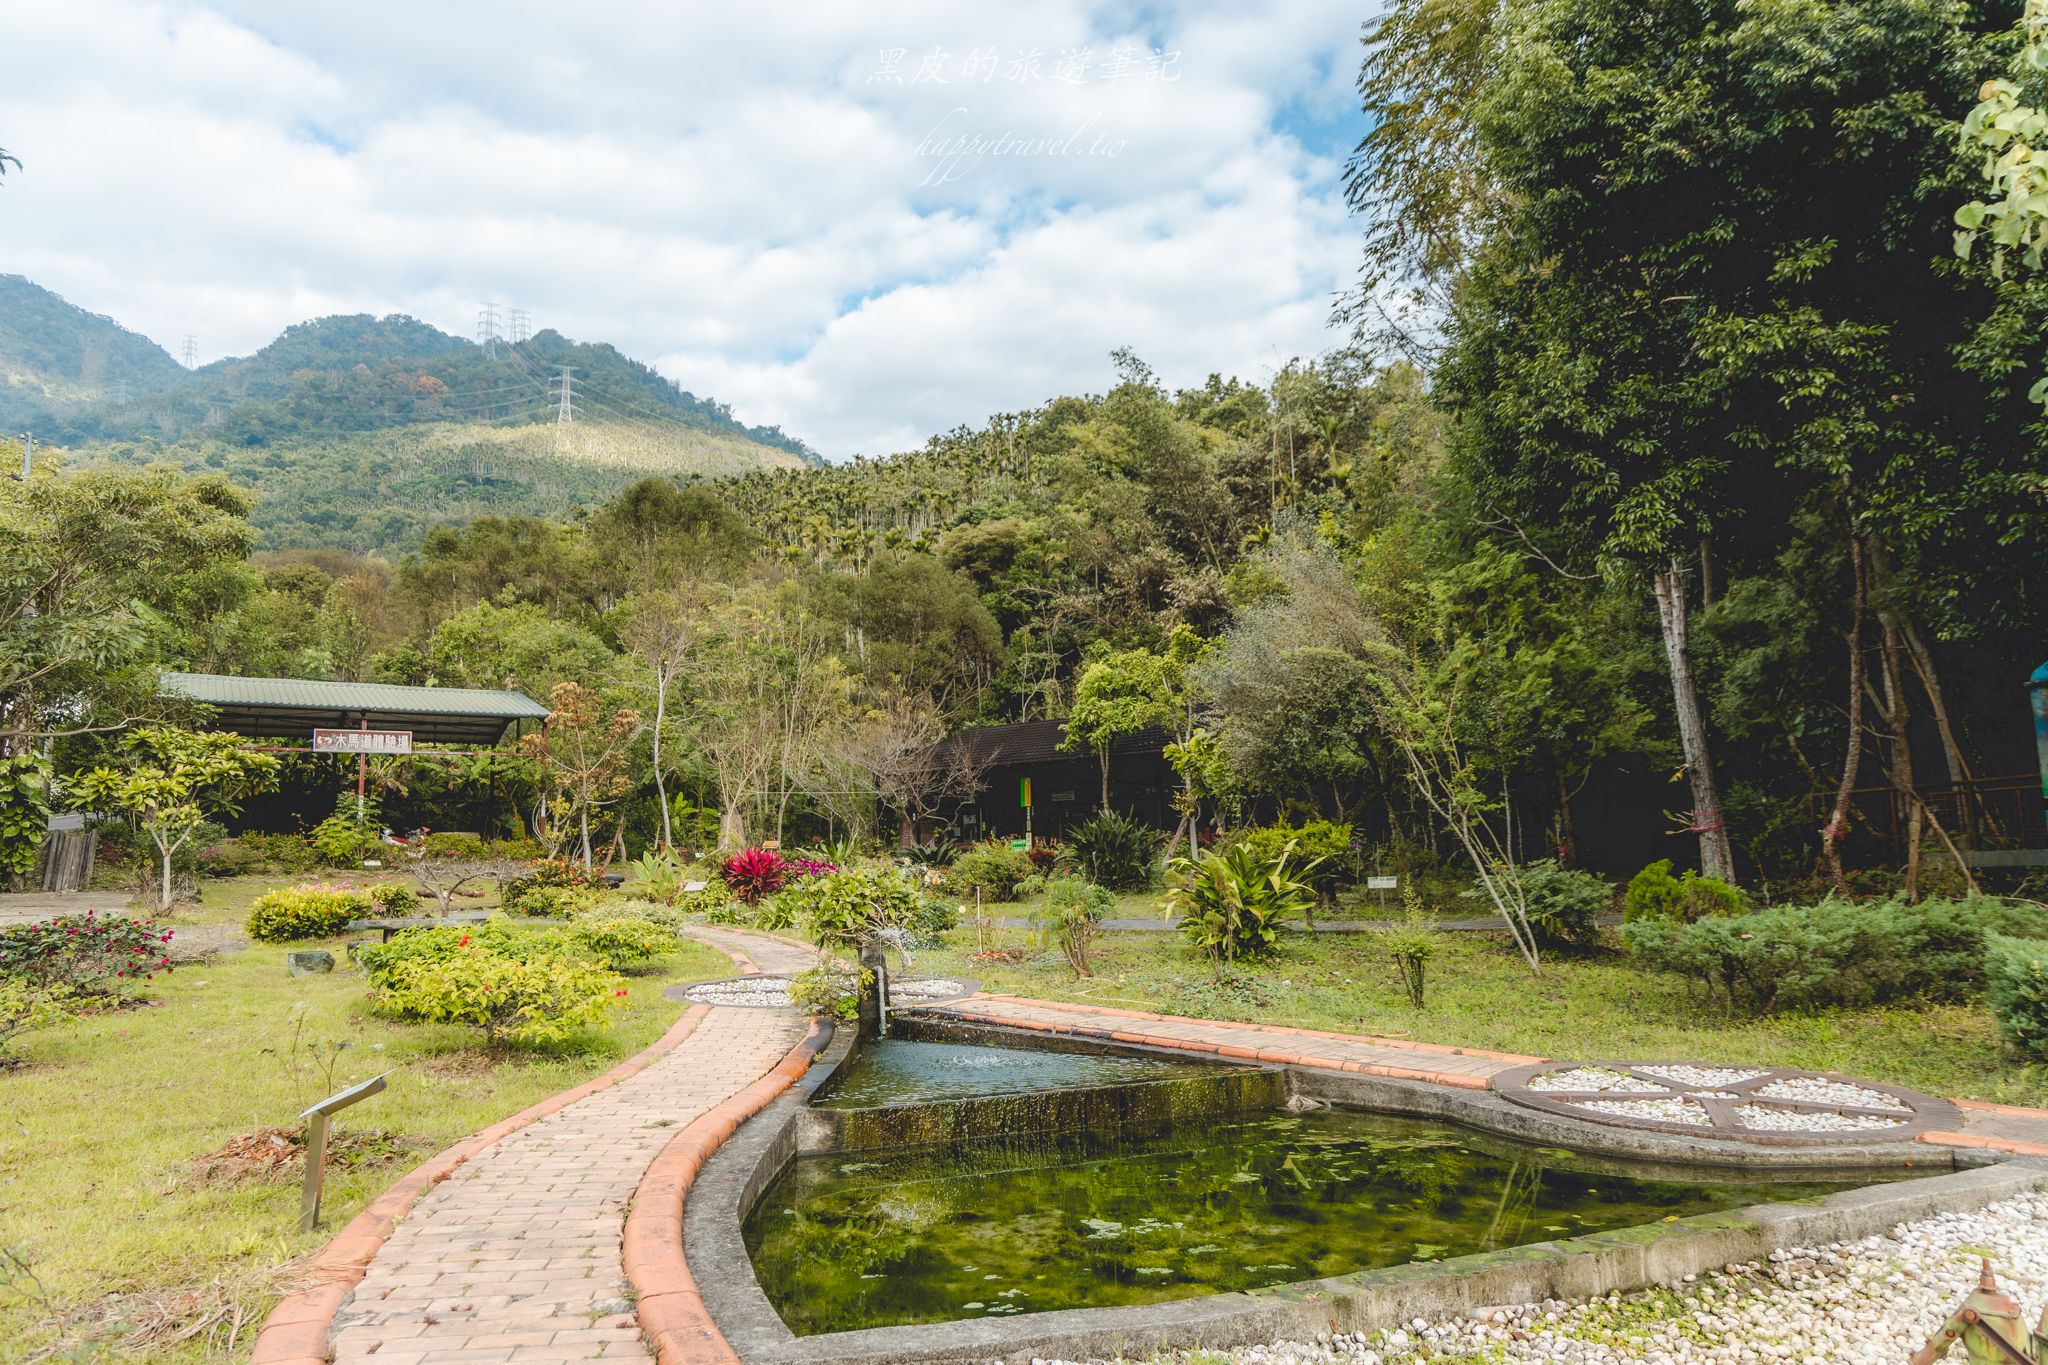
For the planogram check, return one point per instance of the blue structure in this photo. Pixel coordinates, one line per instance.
(2038, 687)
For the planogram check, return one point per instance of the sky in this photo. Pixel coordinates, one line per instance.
(863, 222)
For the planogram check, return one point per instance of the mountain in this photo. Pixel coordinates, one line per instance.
(55, 356)
(359, 431)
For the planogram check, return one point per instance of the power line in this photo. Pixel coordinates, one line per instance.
(522, 325)
(189, 354)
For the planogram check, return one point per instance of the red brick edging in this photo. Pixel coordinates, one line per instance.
(673, 1319)
(296, 1331)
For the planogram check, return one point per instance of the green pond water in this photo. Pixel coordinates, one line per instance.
(901, 1071)
(848, 1240)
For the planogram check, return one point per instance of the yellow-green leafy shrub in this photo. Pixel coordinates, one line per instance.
(621, 940)
(303, 912)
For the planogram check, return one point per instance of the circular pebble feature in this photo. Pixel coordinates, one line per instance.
(1737, 1103)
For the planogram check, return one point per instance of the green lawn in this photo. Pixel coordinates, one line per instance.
(1481, 995)
(98, 1128)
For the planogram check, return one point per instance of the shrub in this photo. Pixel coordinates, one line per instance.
(1564, 903)
(937, 851)
(520, 850)
(25, 1006)
(2016, 972)
(1654, 893)
(229, 858)
(668, 917)
(660, 874)
(1112, 850)
(456, 847)
(83, 956)
(621, 940)
(996, 868)
(1411, 945)
(304, 912)
(1321, 839)
(553, 902)
(381, 961)
(754, 874)
(548, 872)
(391, 898)
(1837, 953)
(1043, 857)
(800, 866)
(1071, 916)
(342, 842)
(838, 910)
(828, 989)
(541, 996)
(715, 902)
(933, 918)
(1232, 902)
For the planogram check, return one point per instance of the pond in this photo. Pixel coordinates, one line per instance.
(1088, 1219)
(899, 1071)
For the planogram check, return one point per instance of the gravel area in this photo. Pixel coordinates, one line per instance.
(1763, 1118)
(1825, 1091)
(1663, 1111)
(758, 992)
(1872, 1302)
(1589, 1078)
(1702, 1075)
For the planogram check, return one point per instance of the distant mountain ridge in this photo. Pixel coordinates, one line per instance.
(78, 378)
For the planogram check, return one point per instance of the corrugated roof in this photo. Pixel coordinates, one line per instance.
(307, 694)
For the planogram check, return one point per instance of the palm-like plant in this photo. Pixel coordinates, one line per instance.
(1232, 902)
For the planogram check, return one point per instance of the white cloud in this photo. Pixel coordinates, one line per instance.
(721, 189)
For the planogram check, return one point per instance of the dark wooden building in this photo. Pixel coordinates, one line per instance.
(1028, 783)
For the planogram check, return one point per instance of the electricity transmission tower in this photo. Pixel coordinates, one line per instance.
(490, 329)
(190, 354)
(565, 410)
(120, 394)
(522, 325)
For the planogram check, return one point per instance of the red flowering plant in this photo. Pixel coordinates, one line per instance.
(754, 874)
(84, 956)
(795, 869)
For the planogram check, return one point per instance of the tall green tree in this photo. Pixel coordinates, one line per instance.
(1673, 336)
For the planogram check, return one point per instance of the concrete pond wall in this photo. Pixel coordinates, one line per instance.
(1627, 1259)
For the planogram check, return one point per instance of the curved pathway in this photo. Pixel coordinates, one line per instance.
(508, 1247)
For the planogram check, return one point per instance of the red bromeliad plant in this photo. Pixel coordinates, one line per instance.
(754, 874)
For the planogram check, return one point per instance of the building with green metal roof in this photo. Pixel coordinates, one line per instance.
(292, 708)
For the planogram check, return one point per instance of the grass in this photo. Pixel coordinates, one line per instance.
(99, 1126)
(1481, 995)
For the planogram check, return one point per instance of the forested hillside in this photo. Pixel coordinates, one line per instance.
(361, 432)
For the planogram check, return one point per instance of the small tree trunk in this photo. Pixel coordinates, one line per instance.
(1838, 818)
(1717, 856)
(1103, 754)
(731, 828)
(668, 834)
(163, 890)
(584, 817)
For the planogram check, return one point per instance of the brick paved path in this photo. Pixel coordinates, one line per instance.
(772, 955)
(516, 1256)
